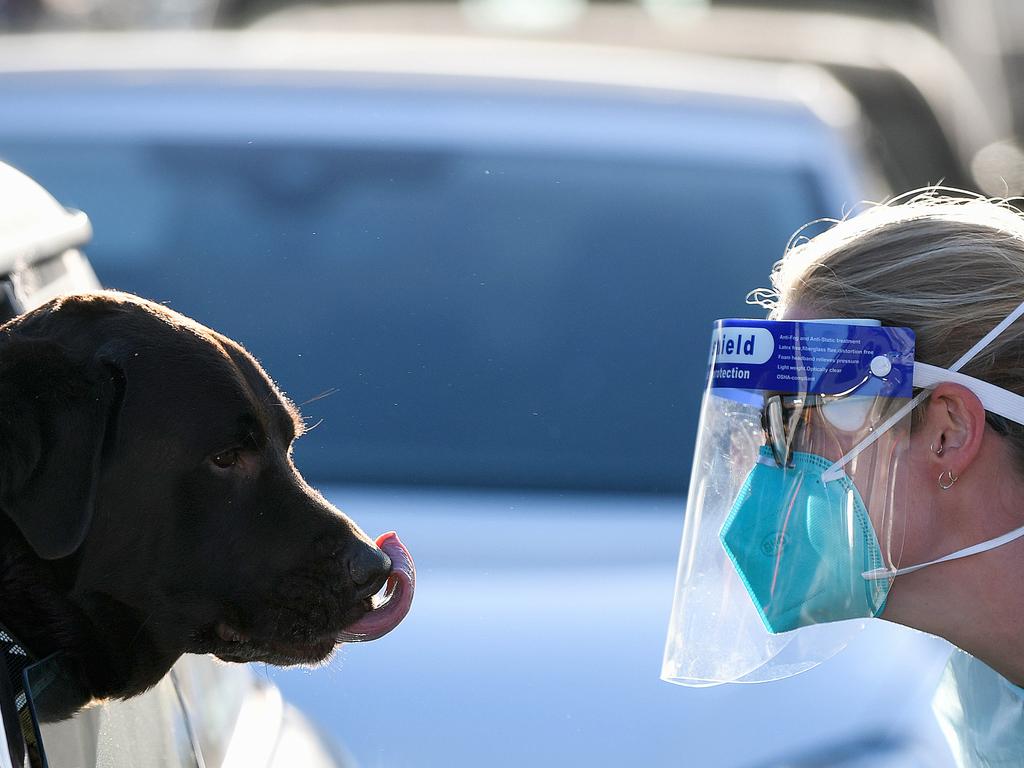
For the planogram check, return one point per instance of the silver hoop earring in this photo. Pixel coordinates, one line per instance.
(952, 480)
(931, 447)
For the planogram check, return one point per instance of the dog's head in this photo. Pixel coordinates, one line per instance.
(153, 508)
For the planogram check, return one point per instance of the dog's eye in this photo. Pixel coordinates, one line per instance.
(225, 459)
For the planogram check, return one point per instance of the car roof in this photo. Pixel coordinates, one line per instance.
(799, 111)
(925, 115)
(467, 57)
(751, 32)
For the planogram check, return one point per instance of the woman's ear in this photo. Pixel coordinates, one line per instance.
(954, 422)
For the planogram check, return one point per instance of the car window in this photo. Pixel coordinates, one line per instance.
(473, 317)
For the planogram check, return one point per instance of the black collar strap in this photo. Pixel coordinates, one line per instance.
(15, 659)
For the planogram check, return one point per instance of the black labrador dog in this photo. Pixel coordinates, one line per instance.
(149, 505)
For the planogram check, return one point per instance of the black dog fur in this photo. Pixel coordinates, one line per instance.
(149, 505)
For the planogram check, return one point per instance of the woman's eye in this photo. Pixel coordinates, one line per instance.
(225, 459)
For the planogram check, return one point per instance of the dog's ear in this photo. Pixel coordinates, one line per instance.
(57, 420)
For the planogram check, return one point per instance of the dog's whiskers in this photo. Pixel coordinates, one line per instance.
(321, 396)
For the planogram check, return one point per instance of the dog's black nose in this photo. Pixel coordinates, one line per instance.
(368, 567)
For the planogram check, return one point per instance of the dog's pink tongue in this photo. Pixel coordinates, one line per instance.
(397, 595)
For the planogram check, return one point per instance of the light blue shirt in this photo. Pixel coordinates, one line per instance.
(981, 714)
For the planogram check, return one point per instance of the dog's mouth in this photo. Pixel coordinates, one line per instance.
(385, 614)
(380, 614)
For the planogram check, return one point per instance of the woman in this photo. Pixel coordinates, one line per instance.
(907, 501)
(950, 270)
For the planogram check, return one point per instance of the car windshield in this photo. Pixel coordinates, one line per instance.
(476, 317)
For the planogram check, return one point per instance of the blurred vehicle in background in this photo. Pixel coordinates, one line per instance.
(486, 270)
(924, 117)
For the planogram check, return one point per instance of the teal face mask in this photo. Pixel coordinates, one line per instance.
(801, 545)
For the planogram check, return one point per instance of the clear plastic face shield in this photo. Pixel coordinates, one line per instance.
(769, 544)
(797, 506)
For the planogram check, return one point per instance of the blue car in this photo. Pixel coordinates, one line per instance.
(486, 271)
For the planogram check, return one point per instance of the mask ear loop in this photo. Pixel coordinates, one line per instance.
(985, 546)
(1000, 397)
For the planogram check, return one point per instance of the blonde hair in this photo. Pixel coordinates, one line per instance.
(946, 263)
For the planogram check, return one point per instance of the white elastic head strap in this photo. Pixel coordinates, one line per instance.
(1004, 403)
(985, 546)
